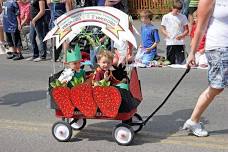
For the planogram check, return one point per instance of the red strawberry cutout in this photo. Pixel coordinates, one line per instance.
(61, 96)
(108, 100)
(82, 98)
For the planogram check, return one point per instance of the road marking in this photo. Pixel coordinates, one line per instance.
(211, 142)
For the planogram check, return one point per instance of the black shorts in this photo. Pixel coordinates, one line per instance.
(14, 39)
(191, 10)
(176, 54)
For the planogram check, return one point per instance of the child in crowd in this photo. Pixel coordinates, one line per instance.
(73, 59)
(24, 8)
(200, 56)
(104, 60)
(11, 26)
(149, 39)
(174, 26)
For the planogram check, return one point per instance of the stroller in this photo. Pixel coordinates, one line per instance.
(131, 121)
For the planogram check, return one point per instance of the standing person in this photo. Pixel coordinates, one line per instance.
(200, 56)
(24, 7)
(174, 26)
(119, 4)
(185, 7)
(192, 8)
(149, 37)
(37, 29)
(11, 26)
(213, 17)
(2, 40)
(57, 8)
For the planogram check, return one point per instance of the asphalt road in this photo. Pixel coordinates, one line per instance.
(25, 120)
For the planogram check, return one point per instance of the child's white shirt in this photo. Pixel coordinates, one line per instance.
(174, 25)
(66, 75)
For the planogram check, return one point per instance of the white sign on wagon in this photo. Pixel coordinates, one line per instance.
(114, 23)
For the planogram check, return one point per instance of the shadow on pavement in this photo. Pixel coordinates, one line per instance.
(19, 98)
(218, 132)
(158, 128)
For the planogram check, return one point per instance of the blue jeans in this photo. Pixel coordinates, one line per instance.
(148, 57)
(185, 7)
(39, 31)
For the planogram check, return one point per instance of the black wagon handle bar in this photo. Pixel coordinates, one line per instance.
(170, 93)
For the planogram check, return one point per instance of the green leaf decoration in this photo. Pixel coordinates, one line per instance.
(104, 83)
(58, 83)
(53, 85)
(75, 81)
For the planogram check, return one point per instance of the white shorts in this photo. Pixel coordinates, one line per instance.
(201, 59)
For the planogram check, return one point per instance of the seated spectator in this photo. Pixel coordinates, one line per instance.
(149, 39)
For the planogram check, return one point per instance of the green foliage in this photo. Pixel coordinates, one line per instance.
(103, 83)
(57, 83)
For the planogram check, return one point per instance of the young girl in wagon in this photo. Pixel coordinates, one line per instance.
(103, 74)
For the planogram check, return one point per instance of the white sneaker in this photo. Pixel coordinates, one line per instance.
(38, 59)
(195, 128)
(29, 59)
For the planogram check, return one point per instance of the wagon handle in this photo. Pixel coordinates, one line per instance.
(170, 93)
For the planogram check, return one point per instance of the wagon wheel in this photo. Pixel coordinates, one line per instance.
(62, 131)
(123, 134)
(77, 124)
(137, 118)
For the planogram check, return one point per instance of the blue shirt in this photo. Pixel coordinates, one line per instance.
(149, 35)
(10, 13)
(100, 2)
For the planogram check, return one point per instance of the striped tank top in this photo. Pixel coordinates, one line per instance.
(194, 3)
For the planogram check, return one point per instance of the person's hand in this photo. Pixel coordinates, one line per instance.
(19, 27)
(106, 75)
(101, 40)
(179, 37)
(148, 50)
(33, 23)
(191, 60)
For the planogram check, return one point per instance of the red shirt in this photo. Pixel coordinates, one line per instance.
(202, 42)
(99, 75)
(24, 9)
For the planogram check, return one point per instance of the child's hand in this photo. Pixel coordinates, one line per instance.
(179, 37)
(148, 50)
(106, 75)
(19, 27)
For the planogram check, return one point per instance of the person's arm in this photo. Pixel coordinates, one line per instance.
(156, 40)
(163, 30)
(17, 13)
(163, 27)
(48, 3)
(185, 33)
(41, 12)
(0, 8)
(205, 9)
(26, 16)
(68, 5)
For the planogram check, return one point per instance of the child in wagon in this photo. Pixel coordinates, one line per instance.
(73, 59)
(104, 74)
